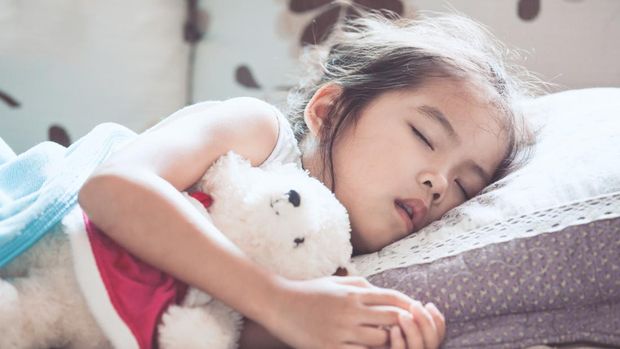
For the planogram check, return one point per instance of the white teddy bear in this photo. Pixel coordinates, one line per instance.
(281, 218)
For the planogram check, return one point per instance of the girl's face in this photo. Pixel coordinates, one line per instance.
(411, 156)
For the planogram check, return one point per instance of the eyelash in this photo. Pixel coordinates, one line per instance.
(421, 136)
(462, 190)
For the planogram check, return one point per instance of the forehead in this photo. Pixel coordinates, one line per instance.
(462, 103)
(479, 126)
(453, 93)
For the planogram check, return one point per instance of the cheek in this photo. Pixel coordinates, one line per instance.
(445, 207)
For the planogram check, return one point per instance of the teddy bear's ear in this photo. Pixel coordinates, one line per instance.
(288, 169)
(230, 170)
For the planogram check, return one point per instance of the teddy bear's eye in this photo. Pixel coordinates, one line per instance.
(293, 197)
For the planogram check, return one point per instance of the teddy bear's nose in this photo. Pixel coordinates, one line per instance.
(294, 198)
(299, 241)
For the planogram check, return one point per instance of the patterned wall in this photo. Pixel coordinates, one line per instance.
(67, 65)
(571, 43)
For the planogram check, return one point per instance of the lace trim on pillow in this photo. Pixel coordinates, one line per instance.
(427, 245)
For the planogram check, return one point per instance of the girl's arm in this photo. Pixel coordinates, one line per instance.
(134, 197)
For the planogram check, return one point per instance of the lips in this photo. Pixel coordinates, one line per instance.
(413, 212)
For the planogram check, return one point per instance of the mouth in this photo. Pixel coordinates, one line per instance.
(412, 212)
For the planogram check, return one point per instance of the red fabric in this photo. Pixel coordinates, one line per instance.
(205, 199)
(138, 292)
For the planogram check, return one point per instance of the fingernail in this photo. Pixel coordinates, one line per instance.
(431, 305)
(416, 304)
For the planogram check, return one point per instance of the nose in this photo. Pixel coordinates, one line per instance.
(294, 198)
(436, 185)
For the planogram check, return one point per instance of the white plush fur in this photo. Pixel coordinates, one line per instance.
(41, 305)
(251, 207)
(40, 302)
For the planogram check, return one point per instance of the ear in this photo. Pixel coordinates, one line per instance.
(318, 106)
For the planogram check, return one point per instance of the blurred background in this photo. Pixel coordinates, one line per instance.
(67, 65)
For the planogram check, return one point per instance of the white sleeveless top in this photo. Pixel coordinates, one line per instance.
(286, 149)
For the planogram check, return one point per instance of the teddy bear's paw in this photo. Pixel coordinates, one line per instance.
(11, 318)
(196, 298)
(9, 303)
(202, 327)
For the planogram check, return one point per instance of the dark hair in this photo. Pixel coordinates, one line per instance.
(380, 52)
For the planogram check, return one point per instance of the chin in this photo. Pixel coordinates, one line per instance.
(363, 246)
(358, 248)
(359, 252)
(359, 245)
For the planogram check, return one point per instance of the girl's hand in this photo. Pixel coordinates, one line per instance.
(334, 312)
(424, 328)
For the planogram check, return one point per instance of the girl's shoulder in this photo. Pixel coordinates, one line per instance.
(243, 104)
(184, 145)
(285, 150)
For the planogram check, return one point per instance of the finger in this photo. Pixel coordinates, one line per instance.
(381, 296)
(440, 320)
(354, 281)
(426, 325)
(413, 337)
(352, 346)
(380, 315)
(370, 336)
(396, 338)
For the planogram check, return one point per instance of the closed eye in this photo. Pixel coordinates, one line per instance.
(421, 136)
(465, 195)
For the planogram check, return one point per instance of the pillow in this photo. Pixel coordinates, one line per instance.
(535, 256)
(562, 287)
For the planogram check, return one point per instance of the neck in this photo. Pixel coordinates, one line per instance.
(312, 160)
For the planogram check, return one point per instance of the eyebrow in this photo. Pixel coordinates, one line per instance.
(439, 117)
(436, 115)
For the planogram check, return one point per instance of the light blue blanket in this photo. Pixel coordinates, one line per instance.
(40, 186)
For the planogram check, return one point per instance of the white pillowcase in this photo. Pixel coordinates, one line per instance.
(577, 155)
